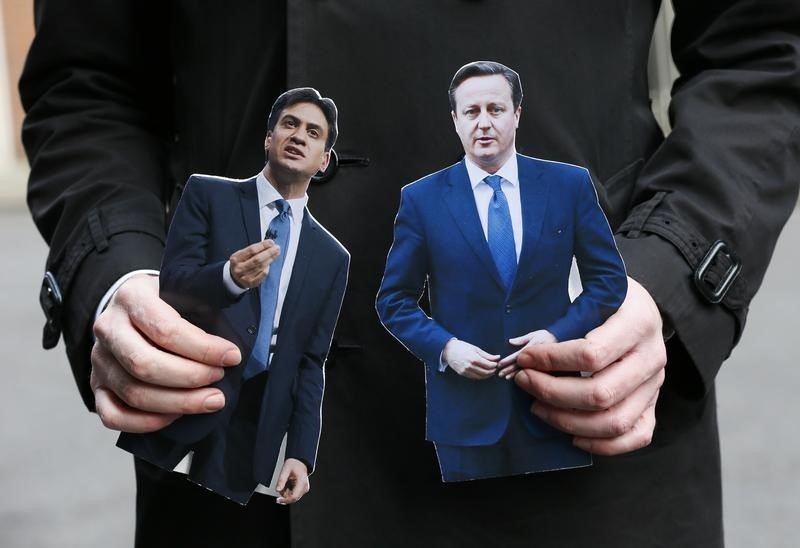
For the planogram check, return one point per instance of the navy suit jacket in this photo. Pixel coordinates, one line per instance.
(216, 217)
(438, 237)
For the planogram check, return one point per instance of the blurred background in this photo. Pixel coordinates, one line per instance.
(64, 483)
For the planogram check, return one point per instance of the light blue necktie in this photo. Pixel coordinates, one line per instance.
(268, 290)
(501, 233)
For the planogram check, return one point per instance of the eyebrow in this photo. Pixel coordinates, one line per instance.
(310, 125)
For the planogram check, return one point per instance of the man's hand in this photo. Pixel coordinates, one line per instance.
(249, 266)
(149, 365)
(468, 360)
(509, 363)
(293, 482)
(613, 411)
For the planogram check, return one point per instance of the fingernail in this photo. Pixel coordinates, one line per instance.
(231, 357)
(214, 403)
(537, 410)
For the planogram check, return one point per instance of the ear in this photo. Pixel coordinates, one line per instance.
(326, 158)
(267, 141)
(517, 115)
(455, 119)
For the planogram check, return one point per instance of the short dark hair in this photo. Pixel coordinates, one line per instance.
(486, 68)
(306, 95)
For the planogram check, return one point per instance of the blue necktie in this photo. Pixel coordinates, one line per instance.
(268, 290)
(501, 233)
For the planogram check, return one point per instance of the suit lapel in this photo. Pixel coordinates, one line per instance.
(250, 210)
(533, 193)
(302, 260)
(460, 202)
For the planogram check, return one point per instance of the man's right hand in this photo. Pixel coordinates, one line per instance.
(149, 365)
(249, 266)
(468, 360)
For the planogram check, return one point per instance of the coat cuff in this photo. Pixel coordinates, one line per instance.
(707, 331)
(126, 252)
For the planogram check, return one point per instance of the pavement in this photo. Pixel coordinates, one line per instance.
(64, 483)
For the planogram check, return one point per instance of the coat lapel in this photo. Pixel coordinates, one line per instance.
(460, 202)
(250, 210)
(533, 193)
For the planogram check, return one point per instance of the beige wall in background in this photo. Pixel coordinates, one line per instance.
(16, 29)
(17, 35)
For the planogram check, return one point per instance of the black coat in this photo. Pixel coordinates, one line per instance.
(125, 99)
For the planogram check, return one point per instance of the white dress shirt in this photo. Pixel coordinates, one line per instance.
(267, 194)
(483, 195)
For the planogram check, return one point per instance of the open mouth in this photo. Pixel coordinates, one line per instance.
(294, 151)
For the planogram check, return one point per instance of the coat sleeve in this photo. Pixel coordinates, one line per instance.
(96, 89)
(306, 422)
(402, 286)
(727, 172)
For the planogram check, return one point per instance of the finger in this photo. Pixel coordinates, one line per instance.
(600, 391)
(508, 372)
(245, 253)
(147, 397)
(522, 340)
(484, 364)
(114, 414)
(152, 365)
(481, 374)
(476, 374)
(638, 437)
(509, 360)
(288, 495)
(162, 325)
(610, 423)
(302, 489)
(260, 261)
(486, 356)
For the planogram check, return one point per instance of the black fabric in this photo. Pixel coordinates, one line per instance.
(127, 99)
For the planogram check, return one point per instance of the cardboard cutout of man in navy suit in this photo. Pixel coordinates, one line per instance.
(224, 274)
(493, 236)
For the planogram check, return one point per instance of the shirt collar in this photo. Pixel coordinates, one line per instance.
(267, 194)
(507, 171)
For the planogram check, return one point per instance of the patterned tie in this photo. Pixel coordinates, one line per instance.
(268, 290)
(501, 234)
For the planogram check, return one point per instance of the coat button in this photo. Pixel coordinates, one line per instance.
(251, 330)
(508, 309)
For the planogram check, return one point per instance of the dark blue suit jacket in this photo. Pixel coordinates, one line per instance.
(216, 217)
(438, 238)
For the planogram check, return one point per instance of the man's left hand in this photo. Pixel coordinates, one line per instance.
(612, 411)
(293, 482)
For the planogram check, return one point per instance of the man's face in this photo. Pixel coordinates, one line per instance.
(485, 120)
(296, 145)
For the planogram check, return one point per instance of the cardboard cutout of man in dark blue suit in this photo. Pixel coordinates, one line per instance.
(225, 275)
(489, 295)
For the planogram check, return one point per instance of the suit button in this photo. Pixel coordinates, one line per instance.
(251, 330)
(508, 309)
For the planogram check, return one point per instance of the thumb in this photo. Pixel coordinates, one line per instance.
(283, 478)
